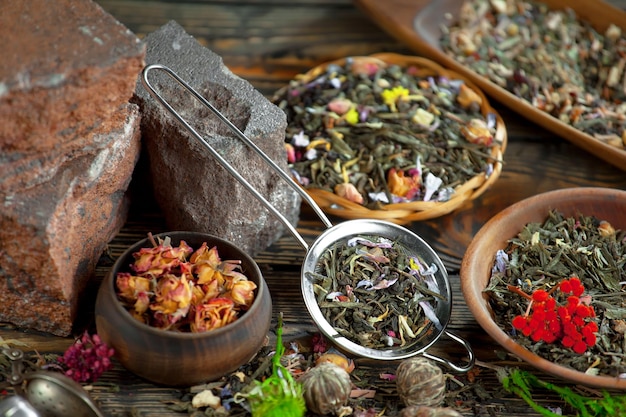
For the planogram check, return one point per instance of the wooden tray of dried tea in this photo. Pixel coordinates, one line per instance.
(390, 137)
(574, 89)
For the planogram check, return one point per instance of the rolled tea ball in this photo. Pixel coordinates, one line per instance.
(420, 382)
(326, 389)
(424, 411)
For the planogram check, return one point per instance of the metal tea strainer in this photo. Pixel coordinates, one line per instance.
(44, 394)
(334, 235)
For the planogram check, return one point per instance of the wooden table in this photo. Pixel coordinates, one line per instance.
(268, 43)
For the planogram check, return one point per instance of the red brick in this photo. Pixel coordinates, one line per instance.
(66, 65)
(52, 234)
(69, 142)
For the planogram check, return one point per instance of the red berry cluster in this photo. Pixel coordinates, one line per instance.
(570, 321)
(87, 358)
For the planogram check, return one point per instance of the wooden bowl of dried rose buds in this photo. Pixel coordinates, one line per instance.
(182, 308)
(546, 279)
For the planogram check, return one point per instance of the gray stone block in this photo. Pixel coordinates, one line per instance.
(193, 190)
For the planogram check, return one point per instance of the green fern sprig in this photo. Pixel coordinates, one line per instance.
(279, 395)
(522, 383)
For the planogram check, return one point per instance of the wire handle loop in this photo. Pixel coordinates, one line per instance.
(225, 163)
(446, 362)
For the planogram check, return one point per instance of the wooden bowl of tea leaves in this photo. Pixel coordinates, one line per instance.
(390, 137)
(546, 278)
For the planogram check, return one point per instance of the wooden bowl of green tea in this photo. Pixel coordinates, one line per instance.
(569, 228)
(176, 357)
(390, 137)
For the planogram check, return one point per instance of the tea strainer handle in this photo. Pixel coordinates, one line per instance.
(446, 362)
(241, 136)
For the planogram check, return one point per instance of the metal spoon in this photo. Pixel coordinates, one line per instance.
(45, 394)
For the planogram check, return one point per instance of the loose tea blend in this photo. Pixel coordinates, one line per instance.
(375, 295)
(558, 290)
(377, 133)
(550, 58)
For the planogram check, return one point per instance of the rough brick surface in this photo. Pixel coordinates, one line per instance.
(52, 234)
(65, 66)
(192, 189)
(69, 141)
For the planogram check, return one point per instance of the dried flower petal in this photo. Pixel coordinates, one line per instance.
(468, 97)
(432, 185)
(391, 96)
(477, 131)
(348, 191)
(401, 185)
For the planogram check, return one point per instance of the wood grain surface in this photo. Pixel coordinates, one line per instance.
(267, 43)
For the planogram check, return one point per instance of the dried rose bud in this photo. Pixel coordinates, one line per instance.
(338, 359)
(340, 105)
(476, 131)
(366, 66)
(606, 229)
(420, 382)
(349, 192)
(327, 389)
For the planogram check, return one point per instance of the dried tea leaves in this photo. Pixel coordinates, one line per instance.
(572, 266)
(375, 295)
(376, 133)
(552, 59)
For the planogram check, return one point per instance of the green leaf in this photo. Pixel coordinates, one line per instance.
(521, 383)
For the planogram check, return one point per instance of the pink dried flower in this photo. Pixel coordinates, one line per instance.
(320, 345)
(87, 359)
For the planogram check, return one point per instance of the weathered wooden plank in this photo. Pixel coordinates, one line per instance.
(264, 44)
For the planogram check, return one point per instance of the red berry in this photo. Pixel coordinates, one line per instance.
(554, 326)
(591, 340)
(519, 322)
(539, 315)
(540, 295)
(567, 341)
(577, 286)
(549, 337)
(537, 335)
(579, 347)
(583, 311)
